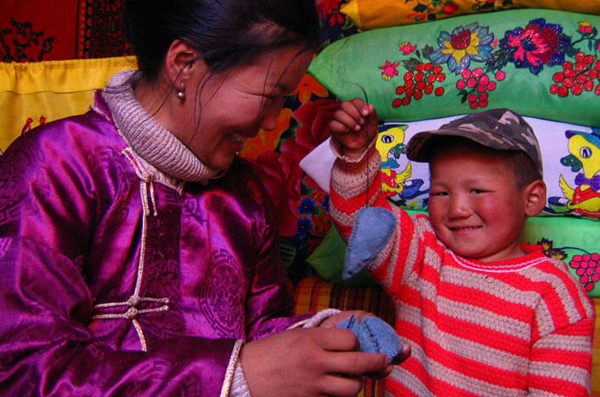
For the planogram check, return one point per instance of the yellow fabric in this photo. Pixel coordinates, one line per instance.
(371, 14)
(37, 92)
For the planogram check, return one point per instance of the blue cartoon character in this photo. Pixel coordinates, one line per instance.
(584, 149)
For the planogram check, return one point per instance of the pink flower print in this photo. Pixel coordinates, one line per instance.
(585, 27)
(389, 70)
(407, 48)
(536, 45)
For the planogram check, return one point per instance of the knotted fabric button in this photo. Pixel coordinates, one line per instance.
(131, 313)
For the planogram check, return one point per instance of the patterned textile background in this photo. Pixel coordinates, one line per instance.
(42, 30)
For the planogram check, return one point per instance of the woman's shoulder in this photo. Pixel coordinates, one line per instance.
(251, 185)
(69, 145)
(245, 175)
(76, 132)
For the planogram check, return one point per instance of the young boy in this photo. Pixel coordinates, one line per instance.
(484, 314)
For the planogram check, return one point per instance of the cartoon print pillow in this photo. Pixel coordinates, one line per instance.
(576, 241)
(540, 63)
(570, 153)
(371, 14)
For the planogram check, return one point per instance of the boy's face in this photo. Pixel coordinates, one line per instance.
(475, 206)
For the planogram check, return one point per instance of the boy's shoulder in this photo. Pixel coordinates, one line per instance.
(558, 289)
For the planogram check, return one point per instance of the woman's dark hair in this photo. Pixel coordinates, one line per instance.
(227, 33)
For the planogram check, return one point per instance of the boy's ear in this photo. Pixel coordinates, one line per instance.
(535, 197)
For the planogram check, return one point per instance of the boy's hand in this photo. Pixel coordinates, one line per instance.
(353, 127)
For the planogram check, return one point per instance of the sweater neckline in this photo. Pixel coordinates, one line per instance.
(534, 256)
(150, 140)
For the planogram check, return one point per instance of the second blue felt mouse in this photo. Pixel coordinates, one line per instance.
(375, 336)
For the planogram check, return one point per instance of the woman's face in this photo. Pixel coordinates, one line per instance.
(228, 108)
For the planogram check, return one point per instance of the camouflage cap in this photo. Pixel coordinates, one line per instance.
(500, 129)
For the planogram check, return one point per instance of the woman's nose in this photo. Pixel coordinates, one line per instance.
(269, 122)
(271, 115)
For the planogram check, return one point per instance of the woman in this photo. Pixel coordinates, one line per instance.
(138, 253)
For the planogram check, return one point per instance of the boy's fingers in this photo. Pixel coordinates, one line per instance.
(349, 117)
(365, 110)
(358, 111)
(339, 128)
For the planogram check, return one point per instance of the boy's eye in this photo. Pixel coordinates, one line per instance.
(477, 191)
(438, 193)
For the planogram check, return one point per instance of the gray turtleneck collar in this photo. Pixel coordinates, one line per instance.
(149, 139)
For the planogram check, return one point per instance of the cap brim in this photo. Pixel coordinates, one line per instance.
(420, 145)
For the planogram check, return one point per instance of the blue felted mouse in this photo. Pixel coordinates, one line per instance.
(373, 229)
(375, 336)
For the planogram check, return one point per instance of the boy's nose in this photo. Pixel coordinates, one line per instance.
(458, 207)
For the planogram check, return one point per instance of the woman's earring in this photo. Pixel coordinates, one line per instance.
(181, 93)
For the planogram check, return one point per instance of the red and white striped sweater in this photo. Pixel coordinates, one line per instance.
(510, 328)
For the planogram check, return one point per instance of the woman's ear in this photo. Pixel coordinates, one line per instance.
(181, 58)
(535, 197)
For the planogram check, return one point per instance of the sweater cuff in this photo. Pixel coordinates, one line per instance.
(239, 387)
(315, 320)
(338, 151)
(229, 386)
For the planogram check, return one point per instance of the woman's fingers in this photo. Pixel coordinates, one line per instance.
(357, 364)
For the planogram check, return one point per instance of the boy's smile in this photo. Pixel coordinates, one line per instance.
(475, 206)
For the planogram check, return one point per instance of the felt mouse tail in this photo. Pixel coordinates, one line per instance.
(373, 229)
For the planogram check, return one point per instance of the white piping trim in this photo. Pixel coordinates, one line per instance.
(149, 209)
(233, 359)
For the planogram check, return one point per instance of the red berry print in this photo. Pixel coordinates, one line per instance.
(475, 86)
(587, 268)
(418, 83)
(577, 78)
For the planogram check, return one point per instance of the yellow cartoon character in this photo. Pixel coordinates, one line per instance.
(584, 198)
(391, 141)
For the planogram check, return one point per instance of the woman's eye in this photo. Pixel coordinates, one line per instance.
(274, 96)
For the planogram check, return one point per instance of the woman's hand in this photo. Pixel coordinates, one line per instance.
(340, 317)
(334, 320)
(353, 127)
(309, 362)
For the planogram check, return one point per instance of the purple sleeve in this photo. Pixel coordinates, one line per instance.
(46, 347)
